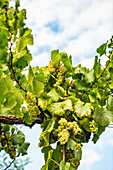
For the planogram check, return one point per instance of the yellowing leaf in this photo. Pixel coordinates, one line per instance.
(82, 109)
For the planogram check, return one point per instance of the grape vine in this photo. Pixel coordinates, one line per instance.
(70, 102)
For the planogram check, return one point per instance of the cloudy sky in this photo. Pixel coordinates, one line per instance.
(76, 27)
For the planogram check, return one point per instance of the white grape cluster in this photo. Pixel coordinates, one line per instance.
(63, 136)
(64, 128)
(31, 105)
(78, 145)
(93, 126)
(74, 126)
(51, 67)
(61, 75)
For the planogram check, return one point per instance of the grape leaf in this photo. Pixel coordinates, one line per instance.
(102, 49)
(23, 148)
(71, 144)
(82, 109)
(60, 107)
(10, 101)
(54, 95)
(62, 165)
(38, 86)
(54, 57)
(30, 75)
(103, 116)
(18, 138)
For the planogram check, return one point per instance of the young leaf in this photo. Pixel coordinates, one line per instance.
(102, 49)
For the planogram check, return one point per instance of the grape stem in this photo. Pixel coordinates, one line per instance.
(64, 153)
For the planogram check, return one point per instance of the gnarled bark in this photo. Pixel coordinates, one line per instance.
(11, 120)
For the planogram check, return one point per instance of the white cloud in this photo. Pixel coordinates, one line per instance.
(41, 60)
(83, 25)
(89, 158)
(90, 62)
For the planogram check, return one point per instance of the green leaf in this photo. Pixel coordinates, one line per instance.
(46, 149)
(82, 109)
(103, 116)
(43, 168)
(85, 124)
(41, 77)
(51, 125)
(92, 98)
(50, 153)
(111, 74)
(38, 86)
(97, 67)
(54, 58)
(18, 138)
(73, 99)
(78, 154)
(43, 103)
(23, 42)
(60, 107)
(71, 144)
(67, 105)
(97, 135)
(30, 75)
(56, 109)
(102, 49)
(89, 77)
(17, 3)
(6, 128)
(62, 165)
(110, 101)
(10, 101)
(6, 85)
(45, 137)
(19, 54)
(54, 95)
(60, 90)
(27, 32)
(66, 61)
(23, 148)
(67, 166)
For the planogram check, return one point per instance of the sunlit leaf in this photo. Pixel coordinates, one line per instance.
(38, 86)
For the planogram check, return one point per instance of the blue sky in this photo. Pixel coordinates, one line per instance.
(76, 27)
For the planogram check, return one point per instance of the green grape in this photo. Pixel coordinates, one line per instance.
(31, 106)
(69, 125)
(51, 67)
(65, 128)
(5, 140)
(61, 75)
(63, 122)
(79, 146)
(63, 136)
(93, 126)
